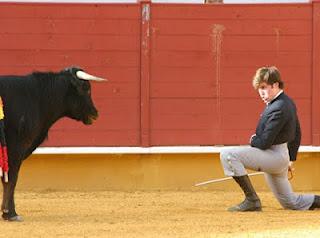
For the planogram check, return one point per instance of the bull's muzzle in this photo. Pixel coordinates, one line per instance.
(91, 119)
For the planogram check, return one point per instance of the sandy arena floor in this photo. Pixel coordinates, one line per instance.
(153, 214)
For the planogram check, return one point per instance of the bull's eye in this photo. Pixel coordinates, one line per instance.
(86, 87)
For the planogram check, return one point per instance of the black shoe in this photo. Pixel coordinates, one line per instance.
(316, 203)
(247, 206)
(252, 201)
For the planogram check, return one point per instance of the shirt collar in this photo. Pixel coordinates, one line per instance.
(278, 94)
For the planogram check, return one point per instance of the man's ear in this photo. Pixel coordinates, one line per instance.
(276, 84)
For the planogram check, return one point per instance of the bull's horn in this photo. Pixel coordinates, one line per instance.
(85, 76)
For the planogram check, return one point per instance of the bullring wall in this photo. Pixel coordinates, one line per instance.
(179, 74)
(146, 172)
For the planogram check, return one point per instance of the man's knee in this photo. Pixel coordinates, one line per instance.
(288, 202)
(289, 205)
(231, 163)
(228, 161)
(227, 156)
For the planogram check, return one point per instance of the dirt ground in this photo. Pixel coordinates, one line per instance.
(153, 214)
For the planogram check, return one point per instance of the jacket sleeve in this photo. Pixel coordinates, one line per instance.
(273, 125)
(293, 146)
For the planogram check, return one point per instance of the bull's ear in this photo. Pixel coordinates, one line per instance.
(72, 70)
(75, 81)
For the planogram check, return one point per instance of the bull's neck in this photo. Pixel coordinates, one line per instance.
(52, 106)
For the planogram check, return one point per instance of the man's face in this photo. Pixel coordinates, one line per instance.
(267, 92)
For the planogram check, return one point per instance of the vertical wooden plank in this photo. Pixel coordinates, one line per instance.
(315, 74)
(145, 72)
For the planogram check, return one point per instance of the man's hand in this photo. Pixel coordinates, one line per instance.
(290, 170)
(251, 138)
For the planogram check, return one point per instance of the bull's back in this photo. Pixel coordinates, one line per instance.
(15, 93)
(14, 85)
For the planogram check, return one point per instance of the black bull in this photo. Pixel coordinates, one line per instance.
(32, 104)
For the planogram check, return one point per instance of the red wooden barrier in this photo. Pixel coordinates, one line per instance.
(203, 61)
(180, 74)
(103, 39)
(145, 72)
(316, 73)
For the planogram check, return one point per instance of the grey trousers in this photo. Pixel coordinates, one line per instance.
(274, 163)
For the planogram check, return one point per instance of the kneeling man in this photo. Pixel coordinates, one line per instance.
(272, 148)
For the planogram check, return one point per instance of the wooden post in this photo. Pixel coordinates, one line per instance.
(145, 73)
(316, 73)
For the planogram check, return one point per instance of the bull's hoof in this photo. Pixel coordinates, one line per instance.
(16, 218)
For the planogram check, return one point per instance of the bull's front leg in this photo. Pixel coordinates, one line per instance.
(8, 204)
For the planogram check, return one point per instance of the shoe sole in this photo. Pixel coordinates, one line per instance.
(257, 209)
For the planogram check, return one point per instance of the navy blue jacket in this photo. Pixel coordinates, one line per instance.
(279, 124)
